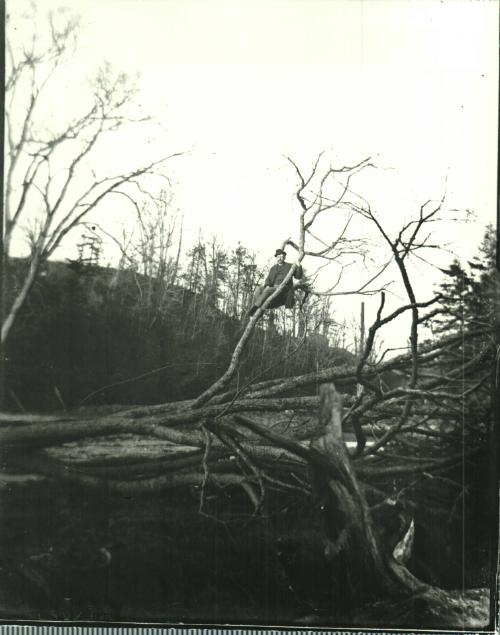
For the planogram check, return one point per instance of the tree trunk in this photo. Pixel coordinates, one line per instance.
(360, 560)
(10, 316)
(351, 540)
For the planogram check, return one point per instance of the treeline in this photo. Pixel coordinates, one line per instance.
(151, 330)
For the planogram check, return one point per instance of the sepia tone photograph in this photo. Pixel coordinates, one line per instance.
(250, 309)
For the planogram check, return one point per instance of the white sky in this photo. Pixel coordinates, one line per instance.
(241, 83)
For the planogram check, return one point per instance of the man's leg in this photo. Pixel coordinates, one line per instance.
(259, 297)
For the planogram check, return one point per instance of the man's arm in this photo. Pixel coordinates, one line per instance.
(299, 272)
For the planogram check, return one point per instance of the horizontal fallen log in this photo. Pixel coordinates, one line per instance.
(276, 457)
(143, 469)
(154, 485)
(188, 415)
(155, 424)
(364, 470)
(156, 476)
(113, 450)
(41, 435)
(21, 418)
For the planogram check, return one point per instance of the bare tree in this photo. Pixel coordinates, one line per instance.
(313, 203)
(151, 250)
(50, 183)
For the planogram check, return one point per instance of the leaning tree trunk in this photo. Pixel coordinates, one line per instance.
(360, 559)
(351, 541)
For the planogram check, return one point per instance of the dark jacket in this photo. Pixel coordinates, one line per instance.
(278, 273)
(275, 277)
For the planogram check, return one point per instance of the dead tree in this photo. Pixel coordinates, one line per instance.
(47, 170)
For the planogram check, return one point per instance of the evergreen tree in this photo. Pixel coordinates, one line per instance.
(470, 297)
(470, 307)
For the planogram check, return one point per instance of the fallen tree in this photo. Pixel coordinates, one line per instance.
(239, 452)
(355, 463)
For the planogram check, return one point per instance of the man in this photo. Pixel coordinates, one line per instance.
(274, 278)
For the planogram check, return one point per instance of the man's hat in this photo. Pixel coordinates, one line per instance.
(278, 252)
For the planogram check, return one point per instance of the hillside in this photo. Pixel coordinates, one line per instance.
(94, 335)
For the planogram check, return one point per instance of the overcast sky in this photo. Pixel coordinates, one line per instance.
(240, 84)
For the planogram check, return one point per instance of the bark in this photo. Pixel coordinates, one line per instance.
(407, 466)
(39, 435)
(154, 485)
(348, 524)
(148, 421)
(375, 569)
(20, 299)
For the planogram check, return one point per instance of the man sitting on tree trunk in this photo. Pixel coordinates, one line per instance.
(274, 278)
